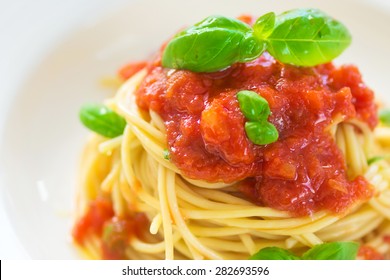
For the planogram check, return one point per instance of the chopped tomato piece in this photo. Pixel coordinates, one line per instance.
(130, 69)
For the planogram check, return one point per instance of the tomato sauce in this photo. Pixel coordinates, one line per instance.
(368, 253)
(99, 211)
(118, 233)
(130, 69)
(303, 171)
(114, 232)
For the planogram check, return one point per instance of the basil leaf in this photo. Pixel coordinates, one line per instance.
(332, 251)
(166, 154)
(264, 25)
(274, 253)
(102, 120)
(261, 133)
(307, 37)
(253, 106)
(211, 45)
(375, 159)
(384, 116)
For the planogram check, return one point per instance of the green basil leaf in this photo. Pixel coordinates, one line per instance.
(261, 133)
(374, 159)
(211, 45)
(264, 25)
(307, 37)
(102, 120)
(384, 116)
(274, 253)
(377, 158)
(253, 106)
(166, 154)
(332, 251)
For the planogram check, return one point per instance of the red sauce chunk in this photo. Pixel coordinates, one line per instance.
(130, 69)
(114, 232)
(99, 211)
(368, 253)
(118, 233)
(302, 172)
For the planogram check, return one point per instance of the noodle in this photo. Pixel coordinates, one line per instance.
(199, 220)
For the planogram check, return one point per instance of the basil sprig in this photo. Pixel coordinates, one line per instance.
(303, 37)
(211, 45)
(256, 109)
(102, 120)
(324, 251)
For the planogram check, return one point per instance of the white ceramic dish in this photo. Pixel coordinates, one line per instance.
(52, 63)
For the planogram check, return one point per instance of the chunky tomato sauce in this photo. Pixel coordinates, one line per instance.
(303, 171)
(99, 211)
(369, 253)
(113, 232)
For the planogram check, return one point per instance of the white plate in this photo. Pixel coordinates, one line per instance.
(53, 54)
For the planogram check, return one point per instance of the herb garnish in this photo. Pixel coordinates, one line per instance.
(211, 45)
(302, 37)
(102, 120)
(324, 251)
(166, 154)
(256, 109)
